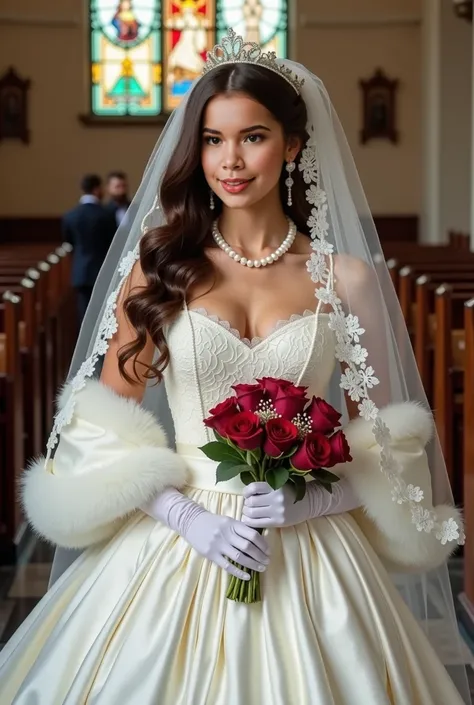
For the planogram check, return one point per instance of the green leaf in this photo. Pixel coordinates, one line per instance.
(301, 473)
(326, 486)
(228, 470)
(300, 487)
(220, 452)
(247, 477)
(277, 477)
(324, 476)
(288, 454)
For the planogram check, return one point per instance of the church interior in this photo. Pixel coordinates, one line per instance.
(87, 87)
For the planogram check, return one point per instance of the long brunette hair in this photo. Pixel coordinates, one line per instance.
(172, 256)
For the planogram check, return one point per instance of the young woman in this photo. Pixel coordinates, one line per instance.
(254, 260)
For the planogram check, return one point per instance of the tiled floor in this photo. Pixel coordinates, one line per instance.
(21, 588)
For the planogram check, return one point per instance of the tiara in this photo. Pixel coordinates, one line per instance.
(234, 50)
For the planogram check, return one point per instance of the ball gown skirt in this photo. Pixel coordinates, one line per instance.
(143, 620)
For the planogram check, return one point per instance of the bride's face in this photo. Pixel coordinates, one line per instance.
(243, 150)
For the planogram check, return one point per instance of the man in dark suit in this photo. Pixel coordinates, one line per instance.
(117, 191)
(90, 228)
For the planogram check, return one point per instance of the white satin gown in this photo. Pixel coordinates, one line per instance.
(143, 619)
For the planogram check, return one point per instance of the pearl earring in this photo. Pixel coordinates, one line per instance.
(290, 167)
(212, 205)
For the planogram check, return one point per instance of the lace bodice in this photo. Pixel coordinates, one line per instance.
(251, 342)
(208, 357)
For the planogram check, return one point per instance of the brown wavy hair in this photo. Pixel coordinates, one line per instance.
(172, 256)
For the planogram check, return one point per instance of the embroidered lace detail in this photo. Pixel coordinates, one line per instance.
(358, 377)
(251, 343)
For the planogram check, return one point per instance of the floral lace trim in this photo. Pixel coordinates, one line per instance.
(359, 377)
(252, 342)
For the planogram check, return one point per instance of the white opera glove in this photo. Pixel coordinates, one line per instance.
(218, 538)
(265, 507)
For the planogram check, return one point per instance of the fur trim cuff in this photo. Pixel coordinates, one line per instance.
(111, 460)
(388, 525)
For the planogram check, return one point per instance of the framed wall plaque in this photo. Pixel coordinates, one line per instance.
(379, 95)
(14, 107)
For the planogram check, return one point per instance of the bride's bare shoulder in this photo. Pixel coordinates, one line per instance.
(347, 269)
(301, 245)
(353, 273)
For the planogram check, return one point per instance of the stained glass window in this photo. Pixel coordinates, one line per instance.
(145, 54)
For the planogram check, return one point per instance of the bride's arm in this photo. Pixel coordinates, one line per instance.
(112, 455)
(110, 375)
(357, 286)
(388, 524)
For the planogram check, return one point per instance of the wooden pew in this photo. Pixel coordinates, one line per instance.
(459, 240)
(411, 252)
(30, 365)
(434, 316)
(55, 320)
(449, 381)
(40, 351)
(443, 361)
(468, 455)
(40, 335)
(11, 427)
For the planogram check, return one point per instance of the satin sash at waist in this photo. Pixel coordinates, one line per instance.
(202, 471)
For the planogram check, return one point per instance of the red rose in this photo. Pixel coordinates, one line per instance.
(281, 436)
(340, 451)
(315, 453)
(272, 385)
(324, 417)
(244, 430)
(222, 413)
(290, 401)
(249, 395)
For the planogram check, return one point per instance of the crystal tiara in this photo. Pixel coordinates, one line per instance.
(234, 50)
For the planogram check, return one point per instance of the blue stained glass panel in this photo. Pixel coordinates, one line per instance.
(144, 54)
(126, 67)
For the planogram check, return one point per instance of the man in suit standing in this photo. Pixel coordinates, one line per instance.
(90, 228)
(117, 191)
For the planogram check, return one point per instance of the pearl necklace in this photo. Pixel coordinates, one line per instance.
(279, 252)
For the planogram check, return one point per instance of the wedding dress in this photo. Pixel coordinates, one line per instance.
(143, 619)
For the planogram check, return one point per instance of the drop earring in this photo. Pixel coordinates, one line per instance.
(290, 167)
(212, 205)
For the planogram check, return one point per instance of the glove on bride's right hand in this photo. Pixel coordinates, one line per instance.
(218, 538)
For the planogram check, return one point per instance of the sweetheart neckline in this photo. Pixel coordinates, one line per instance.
(255, 342)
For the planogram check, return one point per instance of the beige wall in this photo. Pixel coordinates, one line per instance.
(41, 179)
(346, 41)
(456, 89)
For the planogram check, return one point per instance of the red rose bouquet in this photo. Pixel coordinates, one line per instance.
(271, 432)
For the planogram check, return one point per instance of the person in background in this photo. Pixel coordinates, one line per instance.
(117, 191)
(90, 228)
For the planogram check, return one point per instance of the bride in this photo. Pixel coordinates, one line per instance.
(251, 255)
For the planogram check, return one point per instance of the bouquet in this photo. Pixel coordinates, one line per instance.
(271, 432)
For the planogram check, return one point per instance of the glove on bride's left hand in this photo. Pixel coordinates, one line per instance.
(266, 508)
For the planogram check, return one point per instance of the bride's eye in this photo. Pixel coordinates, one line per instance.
(210, 139)
(254, 139)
